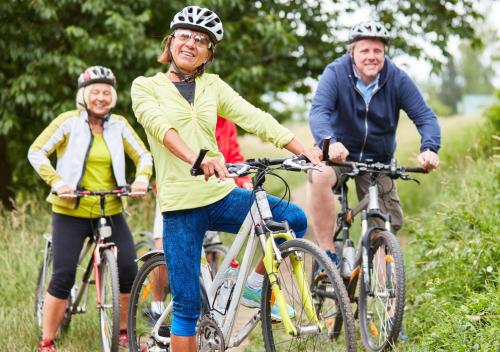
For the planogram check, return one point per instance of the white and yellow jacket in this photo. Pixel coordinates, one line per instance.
(70, 136)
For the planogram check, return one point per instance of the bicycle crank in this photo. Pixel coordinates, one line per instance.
(209, 337)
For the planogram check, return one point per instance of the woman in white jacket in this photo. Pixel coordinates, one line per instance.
(90, 144)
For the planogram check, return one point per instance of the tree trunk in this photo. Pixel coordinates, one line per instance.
(6, 188)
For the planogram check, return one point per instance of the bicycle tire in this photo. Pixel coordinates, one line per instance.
(109, 310)
(42, 284)
(275, 339)
(215, 255)
(139, 322)
(381, 335)
(140, 318)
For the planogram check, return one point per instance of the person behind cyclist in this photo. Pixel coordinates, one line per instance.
(179, 110)
(357, 106)
(90, 143)
(226, 136)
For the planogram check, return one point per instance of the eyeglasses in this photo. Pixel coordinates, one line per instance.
(200, 40)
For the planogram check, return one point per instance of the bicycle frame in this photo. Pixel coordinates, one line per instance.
(369, 208)
(251, 232)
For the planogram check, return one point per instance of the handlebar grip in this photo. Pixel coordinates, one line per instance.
(419, 170)
(195, 169)
(302, 157)
(325, 145)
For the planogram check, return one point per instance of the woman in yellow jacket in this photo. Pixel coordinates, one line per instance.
(179, 110)
(90, 144)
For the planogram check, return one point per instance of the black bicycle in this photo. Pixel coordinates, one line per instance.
(377, 263)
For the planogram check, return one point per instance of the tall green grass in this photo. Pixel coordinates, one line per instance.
(453, 266)
(21, 247)
(453, 298)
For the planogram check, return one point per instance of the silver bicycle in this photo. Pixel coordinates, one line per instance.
(306, 316)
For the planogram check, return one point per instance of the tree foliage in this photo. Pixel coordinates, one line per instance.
(268, 47)
(475, 71)
(451, 91)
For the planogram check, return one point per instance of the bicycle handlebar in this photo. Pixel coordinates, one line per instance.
(391, 169)
(121, 191)
(296, 163)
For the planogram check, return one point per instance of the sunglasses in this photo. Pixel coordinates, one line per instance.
(200, 40)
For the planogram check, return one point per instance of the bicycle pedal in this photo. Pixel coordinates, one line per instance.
(164, 331)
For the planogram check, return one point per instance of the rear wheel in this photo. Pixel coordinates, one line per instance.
(381, 307)
(109, 310)
(329, 300)
(215, 256)
(44, 276)
(144, 243)
(43, 281)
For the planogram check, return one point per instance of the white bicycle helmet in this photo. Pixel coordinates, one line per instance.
(369, 29)
(199, 19)
(96, 74)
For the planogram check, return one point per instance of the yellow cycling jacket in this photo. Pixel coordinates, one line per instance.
(159, 106)
(71, 137)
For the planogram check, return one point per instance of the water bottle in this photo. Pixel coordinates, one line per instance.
(348, 259)
(225, 290)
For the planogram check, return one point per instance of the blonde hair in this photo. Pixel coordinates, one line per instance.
(82, 97)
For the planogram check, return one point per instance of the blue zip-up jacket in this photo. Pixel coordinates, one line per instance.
(368, 131)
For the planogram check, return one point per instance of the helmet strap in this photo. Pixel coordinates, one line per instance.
(187, 78)
(184, 77)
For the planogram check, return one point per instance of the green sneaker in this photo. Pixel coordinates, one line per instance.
(251, 299)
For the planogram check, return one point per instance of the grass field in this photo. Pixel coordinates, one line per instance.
(21, 236)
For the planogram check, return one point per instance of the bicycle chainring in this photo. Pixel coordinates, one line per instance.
(209, 337)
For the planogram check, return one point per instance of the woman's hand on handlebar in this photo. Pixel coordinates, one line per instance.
(313, 154)
(138, 189)
(214, 166)
(65, 192)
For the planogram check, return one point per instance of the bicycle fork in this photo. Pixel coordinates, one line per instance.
(374, 208)
(97, 263)
(272, 259)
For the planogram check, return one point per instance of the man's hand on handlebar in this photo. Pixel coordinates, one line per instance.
(428, 159)
(337, 152)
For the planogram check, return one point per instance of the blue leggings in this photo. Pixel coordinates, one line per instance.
(183, 233)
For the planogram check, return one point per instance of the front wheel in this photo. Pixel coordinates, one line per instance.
(313, 337)
(381, 307)
(109, 309)
(149, 297)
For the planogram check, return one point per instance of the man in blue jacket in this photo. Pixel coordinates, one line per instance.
(357, 106)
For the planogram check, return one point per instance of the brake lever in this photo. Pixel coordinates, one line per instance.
(407, 177)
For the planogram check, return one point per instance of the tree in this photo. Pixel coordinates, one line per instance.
(451, 92)
(476, 73)
(269, 46)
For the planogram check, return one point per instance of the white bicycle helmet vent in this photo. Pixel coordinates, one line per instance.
(199, 19)
(96, 74)
(370, 29)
